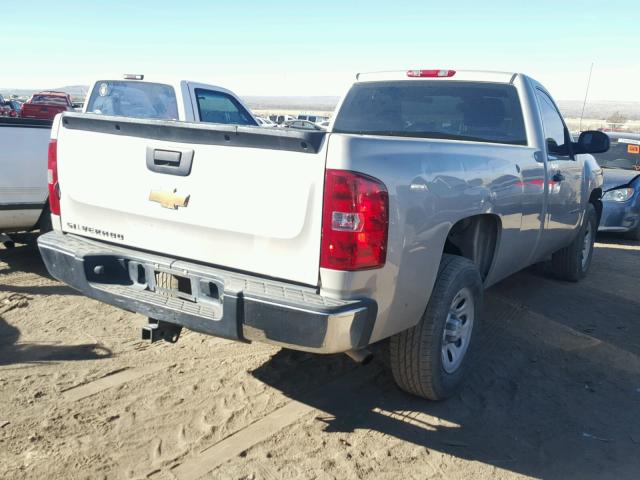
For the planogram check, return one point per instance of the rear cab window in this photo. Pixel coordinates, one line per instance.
(454, 110)
(219, 107)
(134, 99)
(49, 100)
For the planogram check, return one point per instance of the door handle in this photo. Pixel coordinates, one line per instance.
(171, 162)
(558, 177)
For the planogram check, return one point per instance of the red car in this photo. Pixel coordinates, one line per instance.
(46, 105)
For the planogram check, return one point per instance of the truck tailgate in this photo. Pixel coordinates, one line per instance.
(43, 112)
(246, 198)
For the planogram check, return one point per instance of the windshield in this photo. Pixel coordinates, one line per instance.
(482, 112)
(134, 99)
(624, 153)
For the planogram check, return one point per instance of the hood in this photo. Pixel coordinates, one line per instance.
(617, 177)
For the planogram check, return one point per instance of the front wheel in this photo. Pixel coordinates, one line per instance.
(430, 359)
(572, 262)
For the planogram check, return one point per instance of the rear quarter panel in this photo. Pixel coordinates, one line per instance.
(461, 179)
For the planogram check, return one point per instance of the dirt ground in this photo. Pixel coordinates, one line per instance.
(554, 392)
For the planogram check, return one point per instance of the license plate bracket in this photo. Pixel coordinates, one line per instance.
(173, 285)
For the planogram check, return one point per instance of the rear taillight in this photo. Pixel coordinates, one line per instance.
(52, 178)
(355, 220)
(431, 73)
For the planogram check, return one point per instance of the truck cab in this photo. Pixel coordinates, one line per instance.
(141, 96)
(23, 187)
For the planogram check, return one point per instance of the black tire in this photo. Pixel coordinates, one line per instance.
(569, 263)
(417, 353)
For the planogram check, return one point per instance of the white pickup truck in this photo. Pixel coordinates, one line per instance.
(431, 185)
(23, 155)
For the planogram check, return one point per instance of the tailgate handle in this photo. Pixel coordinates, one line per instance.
(166, 157)
(172, 162)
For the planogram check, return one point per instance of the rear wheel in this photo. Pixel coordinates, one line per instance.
(430, 359)
(572, 262)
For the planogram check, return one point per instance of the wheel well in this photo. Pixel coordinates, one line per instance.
(595, 199)
(475, 238)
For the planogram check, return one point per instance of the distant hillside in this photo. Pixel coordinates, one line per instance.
(76, 91)
(573, 108)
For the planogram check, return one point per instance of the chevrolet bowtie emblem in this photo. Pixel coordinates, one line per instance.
(169, 199)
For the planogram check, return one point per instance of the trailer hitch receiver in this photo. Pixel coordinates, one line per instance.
(158, 330)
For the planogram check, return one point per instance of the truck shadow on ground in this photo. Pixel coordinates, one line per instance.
(606, 304)
(25, 258)
(542, 399)
(12, 352)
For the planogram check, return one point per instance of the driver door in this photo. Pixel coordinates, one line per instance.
(564, 178)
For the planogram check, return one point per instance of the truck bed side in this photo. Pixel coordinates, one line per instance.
(23, 163)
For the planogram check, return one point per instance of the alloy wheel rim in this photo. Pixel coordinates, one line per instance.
(457, 330)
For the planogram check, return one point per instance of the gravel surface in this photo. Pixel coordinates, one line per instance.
(554, 393)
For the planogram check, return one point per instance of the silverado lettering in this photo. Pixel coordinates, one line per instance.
(95, 231)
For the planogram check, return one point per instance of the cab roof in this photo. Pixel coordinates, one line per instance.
(52, 93)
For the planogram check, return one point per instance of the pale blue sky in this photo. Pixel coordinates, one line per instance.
(284, 47)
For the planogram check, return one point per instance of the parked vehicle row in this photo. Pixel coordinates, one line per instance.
(266, 122)
(9, 108)
(288, 121)
(431, 186)
(313, 118)
(304, 121)
(302, 125)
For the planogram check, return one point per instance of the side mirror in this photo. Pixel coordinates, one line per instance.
(592, 141)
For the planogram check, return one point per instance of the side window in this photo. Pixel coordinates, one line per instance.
(218, 107)
(554, 129)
